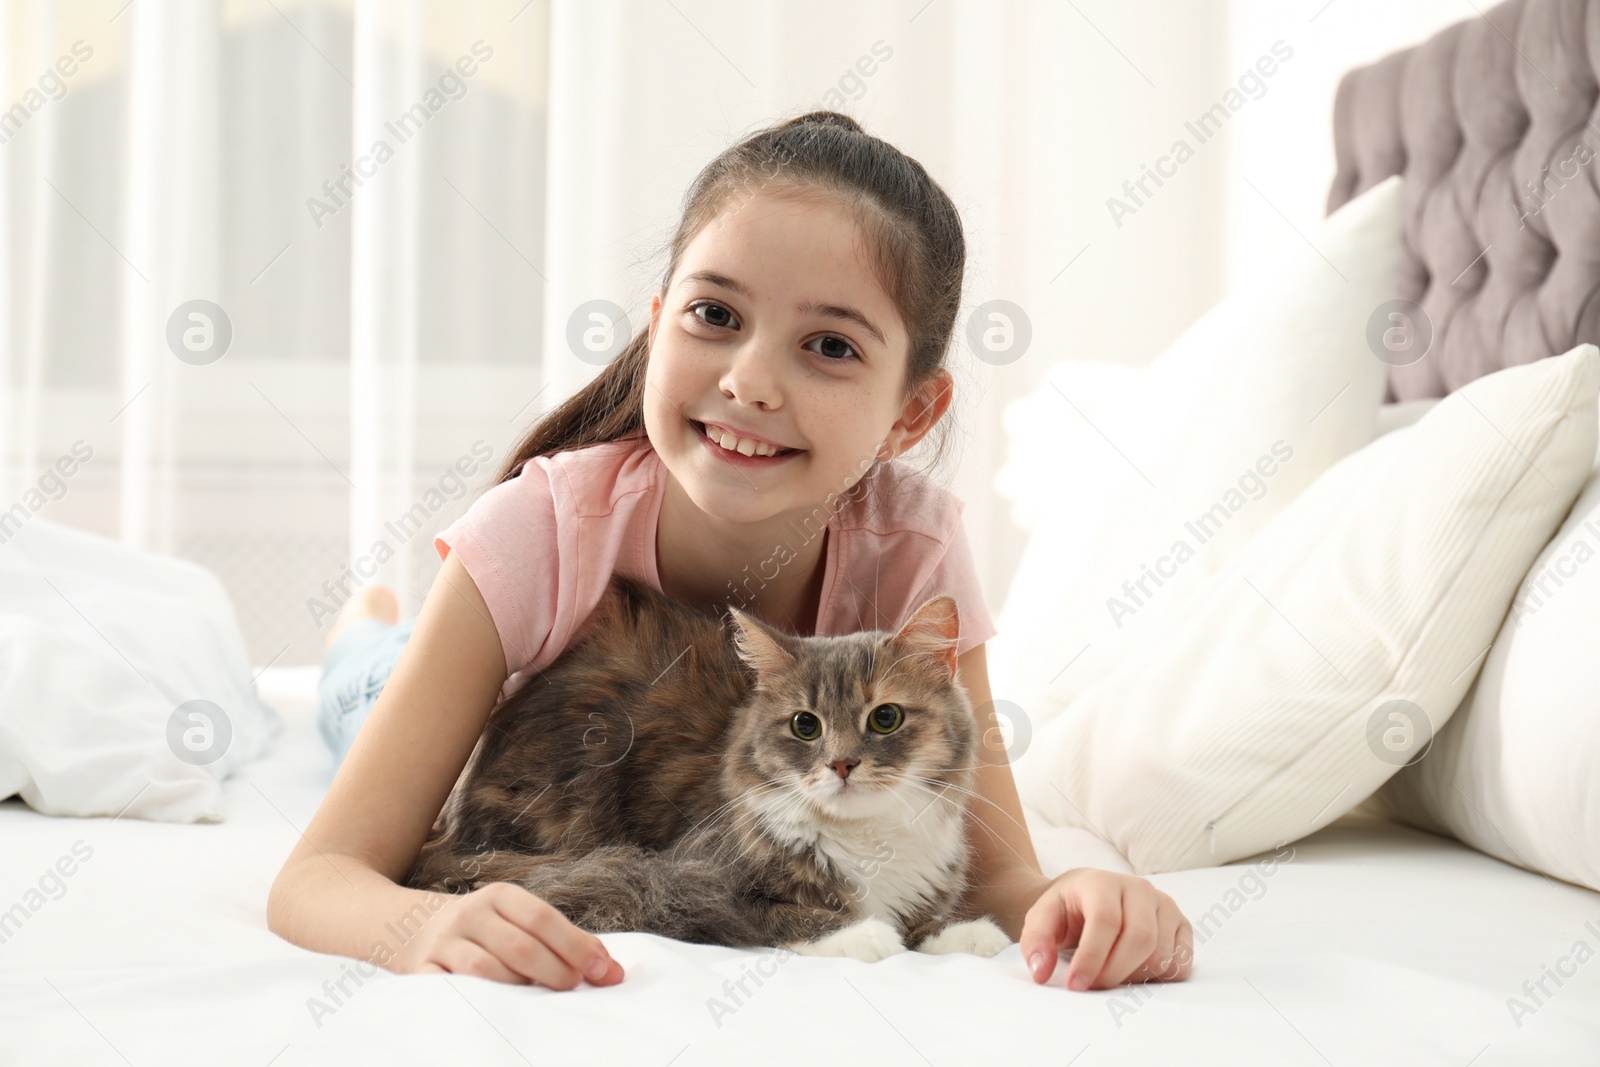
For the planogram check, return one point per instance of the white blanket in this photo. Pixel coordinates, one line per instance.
(1367, 945)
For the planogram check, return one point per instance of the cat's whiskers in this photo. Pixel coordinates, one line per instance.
(732, 834)
(755, 790)
(702, 830)
(915, 783)
(748, 817)
(780, 814)
(962, 789)
(972, 766)
(895, 795)
(971, 813)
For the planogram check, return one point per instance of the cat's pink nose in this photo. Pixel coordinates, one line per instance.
(841, 767)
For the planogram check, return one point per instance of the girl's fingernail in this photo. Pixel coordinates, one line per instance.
(598, 967)
(1078, 982)
(1036, 961)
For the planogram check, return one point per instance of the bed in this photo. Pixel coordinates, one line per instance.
(1365, 942)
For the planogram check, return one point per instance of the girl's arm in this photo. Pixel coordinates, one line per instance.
(338, 891)
(1123, 928)
(1005, 878)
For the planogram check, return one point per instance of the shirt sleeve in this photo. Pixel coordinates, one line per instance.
(957, 574)
(509, 544)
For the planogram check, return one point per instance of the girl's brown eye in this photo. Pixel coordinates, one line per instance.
(849, 350)
(708, 306)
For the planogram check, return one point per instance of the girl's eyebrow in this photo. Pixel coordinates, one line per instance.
(833, 311)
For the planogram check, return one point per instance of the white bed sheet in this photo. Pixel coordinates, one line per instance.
(1373, 944)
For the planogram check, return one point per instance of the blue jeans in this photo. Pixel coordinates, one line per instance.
(354, 671)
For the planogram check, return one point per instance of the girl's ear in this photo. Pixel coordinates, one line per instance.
(922, 410)
(655, 315)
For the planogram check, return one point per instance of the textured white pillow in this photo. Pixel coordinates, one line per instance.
(1516, 771)
(125, 687)
(1081, 408)
(1295, 388)
(1392, 417)
(1306, 672)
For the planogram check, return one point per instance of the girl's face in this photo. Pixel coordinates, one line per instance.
(775, 328)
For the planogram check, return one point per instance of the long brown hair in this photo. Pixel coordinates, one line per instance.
(911, 225)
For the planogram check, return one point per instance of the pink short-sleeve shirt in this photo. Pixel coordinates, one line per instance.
(542, 547)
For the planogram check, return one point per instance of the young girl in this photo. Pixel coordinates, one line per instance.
(739, 450)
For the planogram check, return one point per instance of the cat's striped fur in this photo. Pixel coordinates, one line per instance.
(654, 778)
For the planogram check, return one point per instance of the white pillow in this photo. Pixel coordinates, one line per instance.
(1392, 417)
(104, 651)
(1295, 388)
(1516, 771)
(1083, 406)
(1305, 673)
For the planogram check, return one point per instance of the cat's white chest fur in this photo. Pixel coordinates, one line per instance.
(892, 863)
(893, 868)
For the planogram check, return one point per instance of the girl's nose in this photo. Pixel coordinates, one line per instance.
(753, 376)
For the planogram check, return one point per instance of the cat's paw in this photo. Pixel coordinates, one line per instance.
(870, 940)
(980, 937)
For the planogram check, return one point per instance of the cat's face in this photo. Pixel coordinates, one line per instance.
(860, 726)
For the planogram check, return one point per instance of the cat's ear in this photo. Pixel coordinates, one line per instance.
(756, 646)
(932, 632)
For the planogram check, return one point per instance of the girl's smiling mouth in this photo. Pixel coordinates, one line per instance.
(747, 453)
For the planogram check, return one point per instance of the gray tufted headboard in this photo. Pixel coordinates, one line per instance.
(1493, 124)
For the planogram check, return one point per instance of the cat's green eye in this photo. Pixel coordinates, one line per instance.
(806, 726)
(886, 718)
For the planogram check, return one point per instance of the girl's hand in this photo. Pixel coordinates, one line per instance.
(504, 932)
(1124, 929)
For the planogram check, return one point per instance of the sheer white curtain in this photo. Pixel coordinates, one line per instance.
(357, 191)
(398, 317)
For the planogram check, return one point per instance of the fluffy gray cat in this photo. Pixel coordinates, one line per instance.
(717, 780)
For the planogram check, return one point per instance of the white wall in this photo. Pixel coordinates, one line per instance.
(1283, 142)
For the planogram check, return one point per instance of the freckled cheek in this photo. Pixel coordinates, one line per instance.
(854, 422)
(677, 384)
(843, 432)
(675, 359)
